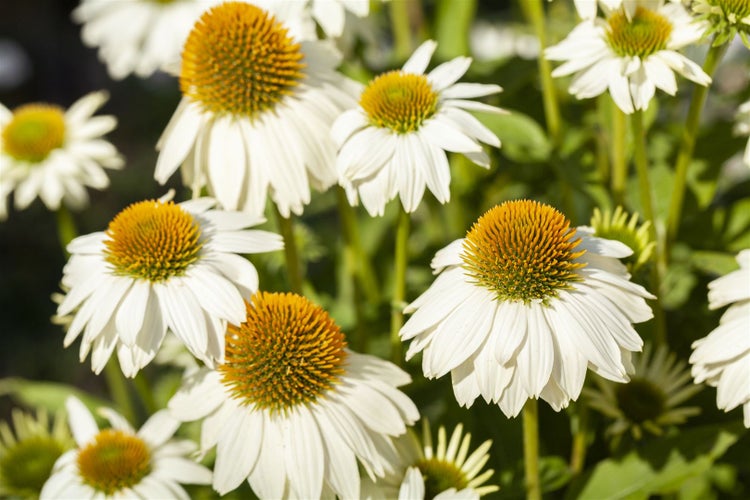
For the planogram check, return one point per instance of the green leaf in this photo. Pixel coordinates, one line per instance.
(714, 263)
(48, 395)
(659, 467)
(524, 140)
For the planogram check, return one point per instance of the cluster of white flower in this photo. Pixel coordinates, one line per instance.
(521, 308)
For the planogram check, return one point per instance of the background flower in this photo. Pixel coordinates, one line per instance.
(53, 154)
(722, 358)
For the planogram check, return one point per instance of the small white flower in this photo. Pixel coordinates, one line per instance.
(161, 266)
(137, 36)
(291, 410)
(742, 127)
(121, 463)
(255, 124)
(424, 472)
(53, 154)
(394, 142)
(722, 359)
(523, 305)
(630, 56)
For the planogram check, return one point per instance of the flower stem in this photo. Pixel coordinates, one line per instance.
(293, 267)
(143, 388)
(362, 268)
(619, 161)
(578, 451)
(399, 284)
(66, 227)
(534, 12)
(687, 142)
(401, 28)
(118, 389)
(531, 449)
(644, 185)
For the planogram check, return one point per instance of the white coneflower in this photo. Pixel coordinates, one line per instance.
(523, 305)
(138, 36)
(255, 116)
(29, 450)
(54, 154)
(119, 462)
(291, 410)
(395, 141)
(630, 55)
(725, 19)
(650, 401)
(158, 266)
(425, 472)
(722, 359)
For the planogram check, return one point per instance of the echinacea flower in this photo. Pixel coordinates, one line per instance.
(292, 410)
(631, 56)
(395, 141)
(742, 127)
(158, 266)
(424, 472)
(54, 154)
(523, 305)
(255, 116)
(621, 226)
(137, 36)
(650, 401)
(724, 19)
(722, 358)
(119, 462)
(28, 454)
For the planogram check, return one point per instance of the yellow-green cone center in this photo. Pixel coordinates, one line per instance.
(640, 400)
(114, 461)
(152, 240)
(25, 467)
(239, 59)
(33, 132)
(399, 101)
(646, 33)
(288, 352)
(522, 251)
(734, 10)
(439, 476)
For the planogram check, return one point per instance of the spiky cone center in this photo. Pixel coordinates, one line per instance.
(640, 400)
(440, 475)
(240, 60)
(288, 352)
(114, 461)
(646, 33)
(522, 251)
(734, 10)
(26, 465)
(34, 131)
(399, 101)
(152, 240)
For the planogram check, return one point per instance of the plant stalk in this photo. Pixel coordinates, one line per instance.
(399, 284)
(531, 449)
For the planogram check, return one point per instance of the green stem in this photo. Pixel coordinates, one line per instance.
(399, 284)
(66, 227)
(401, 28)
(293, 267)
(619, 160)
(362, 267)
(144, 391)
(118, 389)
(687, 142)
(534, 12)
(578, 449)
(644, 185)
(531, 449)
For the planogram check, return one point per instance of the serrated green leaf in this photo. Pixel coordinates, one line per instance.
(660, 467)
